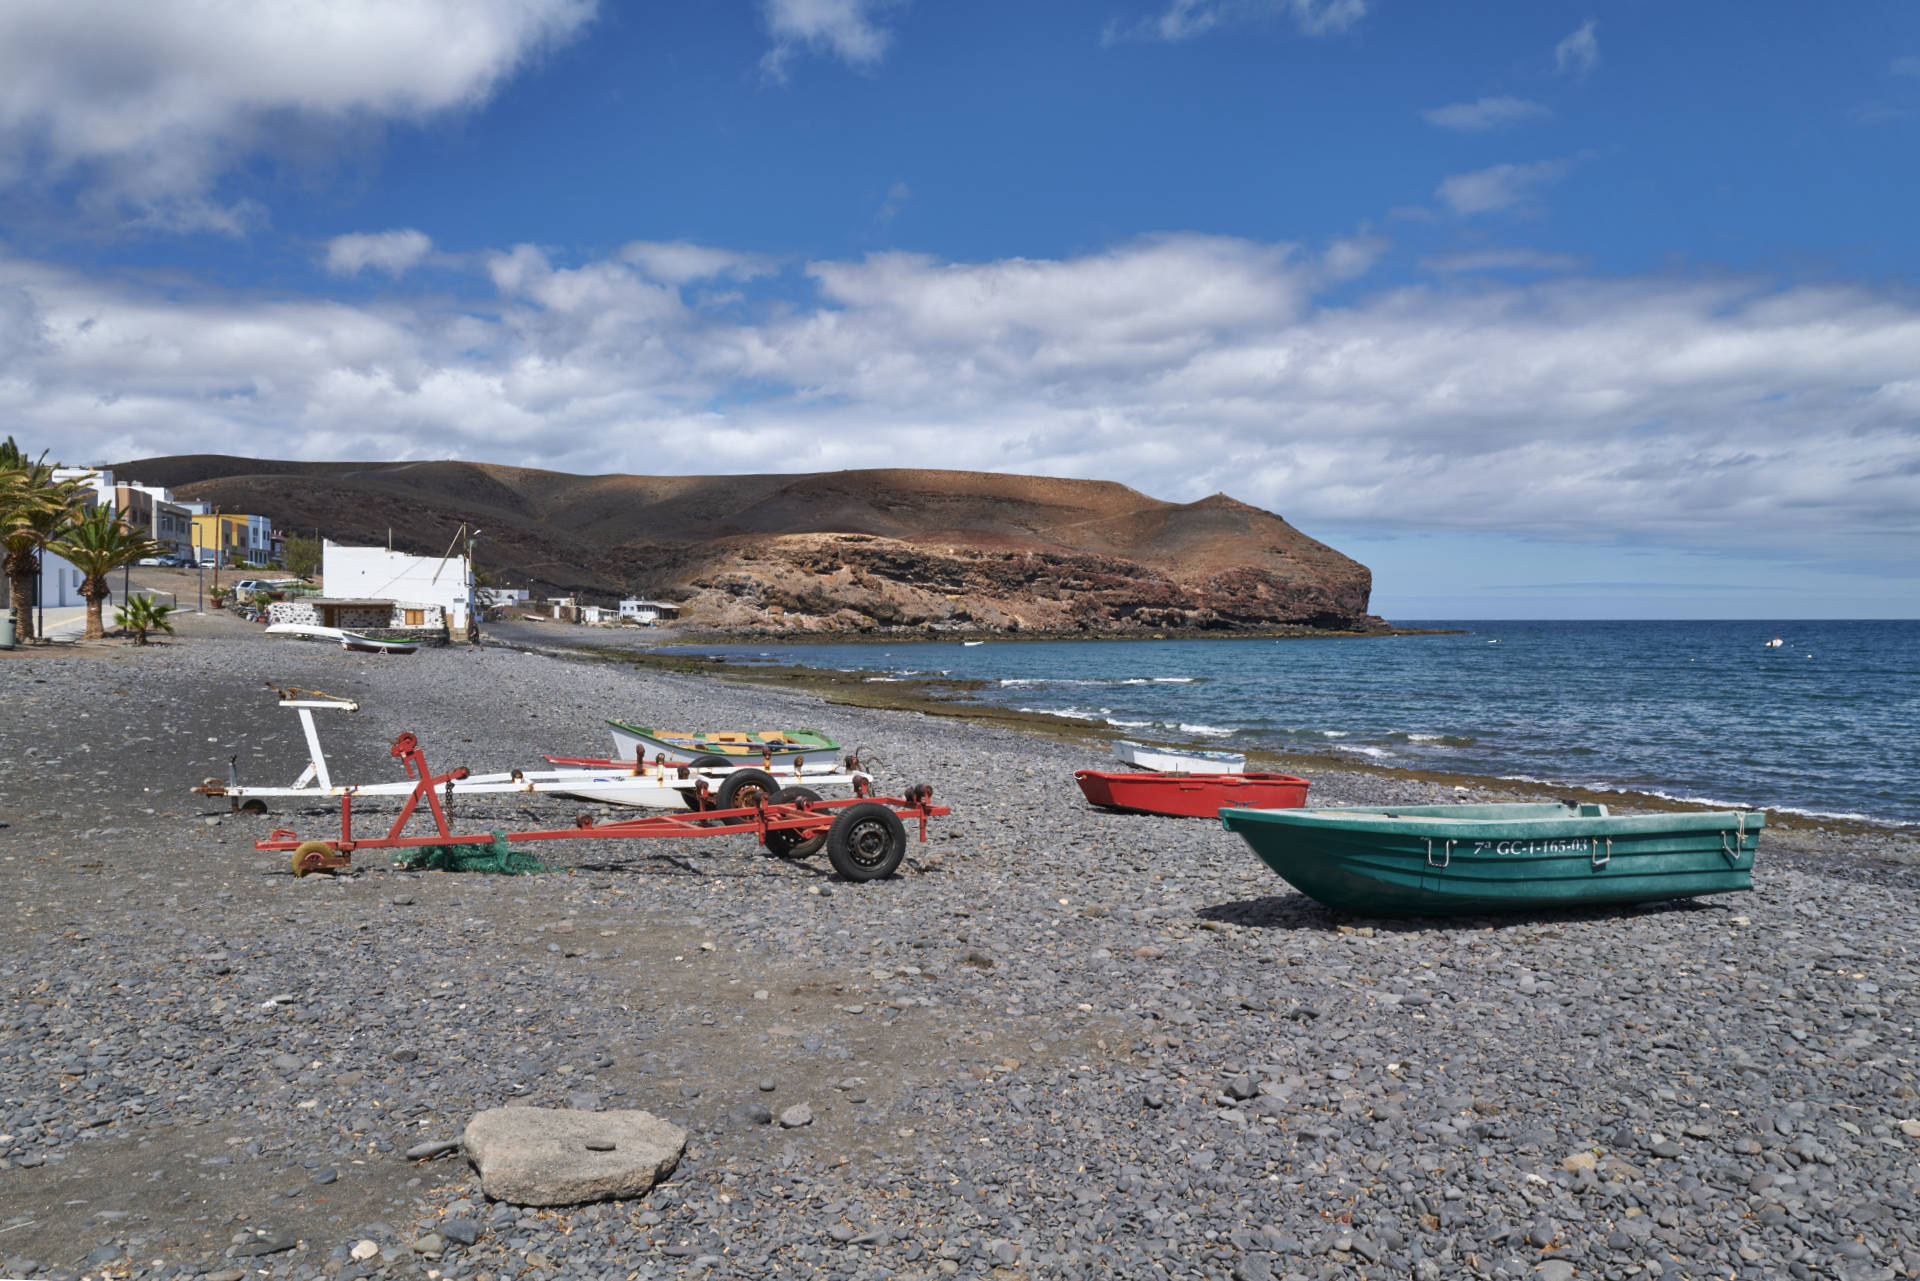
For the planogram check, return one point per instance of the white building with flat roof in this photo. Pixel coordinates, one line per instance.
(374, 573)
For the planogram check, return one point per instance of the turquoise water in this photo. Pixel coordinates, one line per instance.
(1823, 724)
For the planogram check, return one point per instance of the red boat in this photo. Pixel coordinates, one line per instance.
(1192, 795)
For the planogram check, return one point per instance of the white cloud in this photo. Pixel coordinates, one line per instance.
(149, 104)
(1497, 187)
(897, 197)
(1487, 113)
(394, 252)
(678, 262)
(846, 29)
(1579, 53)
(1720, 414)
(1906, 66)
(1185, 19)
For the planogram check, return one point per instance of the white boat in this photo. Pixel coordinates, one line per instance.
(971, 644)
(1775, 643)
(312, 631)
(1179, 760)
(652, 786)
(368, 645)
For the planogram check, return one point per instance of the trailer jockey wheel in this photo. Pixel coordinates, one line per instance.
(794, 844)
(313, 856)
(866, 842)
(253, 805)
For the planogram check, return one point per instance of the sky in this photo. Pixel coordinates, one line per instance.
(1540, 309)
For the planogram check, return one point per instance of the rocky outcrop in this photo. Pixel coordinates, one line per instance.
(855, 582)
(900, 549)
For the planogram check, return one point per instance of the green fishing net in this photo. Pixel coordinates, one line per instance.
(497, 856)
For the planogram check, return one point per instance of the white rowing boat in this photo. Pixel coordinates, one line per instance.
(1179, 760)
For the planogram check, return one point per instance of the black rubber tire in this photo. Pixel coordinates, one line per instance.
(737, 789)
(792, 844)
(866, 842)
(711, 761)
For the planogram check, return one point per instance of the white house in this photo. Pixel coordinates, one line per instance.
(374, 573)
(646, 611)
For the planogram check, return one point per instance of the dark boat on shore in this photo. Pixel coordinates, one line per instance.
(1452, 860)
(1191, 795)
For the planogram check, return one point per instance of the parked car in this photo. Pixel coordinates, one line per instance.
(152, 560)
(248, 586)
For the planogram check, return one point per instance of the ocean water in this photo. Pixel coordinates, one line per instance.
(1827, 723)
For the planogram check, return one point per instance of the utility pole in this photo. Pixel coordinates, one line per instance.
(219, 546)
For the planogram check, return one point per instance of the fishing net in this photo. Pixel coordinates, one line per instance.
(497, 856)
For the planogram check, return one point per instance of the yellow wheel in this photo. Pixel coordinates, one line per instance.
(313, 856)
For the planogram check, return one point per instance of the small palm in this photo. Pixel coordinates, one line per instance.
(141, 615)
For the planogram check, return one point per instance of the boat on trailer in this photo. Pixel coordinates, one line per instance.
(656, 785)
(1191, 795)
(1178, 760)
(682, 746)
(1454, 860)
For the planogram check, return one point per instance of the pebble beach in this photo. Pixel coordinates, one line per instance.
(1060, 1043)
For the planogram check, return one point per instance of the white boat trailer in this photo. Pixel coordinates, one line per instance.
(658, 786)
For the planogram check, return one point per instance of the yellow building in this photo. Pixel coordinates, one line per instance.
(238, 538)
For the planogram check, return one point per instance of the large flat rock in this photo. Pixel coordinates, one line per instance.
(540, 1156)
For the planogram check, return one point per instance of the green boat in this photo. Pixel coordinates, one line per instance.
(1454, 860)
(739, 746)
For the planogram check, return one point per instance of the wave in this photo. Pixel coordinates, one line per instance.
(1071, 713)
(1361, 749)
(1019, 682)
(1206, 731)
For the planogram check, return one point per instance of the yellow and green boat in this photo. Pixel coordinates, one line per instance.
(734, 746)
(1454, 860)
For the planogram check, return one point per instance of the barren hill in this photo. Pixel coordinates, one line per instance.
(829, 551)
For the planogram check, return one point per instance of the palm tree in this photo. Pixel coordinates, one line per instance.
(143, 614)
(97, 544)
(33, 508)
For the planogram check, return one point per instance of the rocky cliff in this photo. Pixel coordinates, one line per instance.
(826, 552)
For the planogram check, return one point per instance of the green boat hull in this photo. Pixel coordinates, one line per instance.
(1454, 860)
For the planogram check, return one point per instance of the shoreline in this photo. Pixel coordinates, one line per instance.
(934, 697)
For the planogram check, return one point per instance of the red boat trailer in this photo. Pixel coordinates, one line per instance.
(865, 836)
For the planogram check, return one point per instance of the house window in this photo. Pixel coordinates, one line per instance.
(414, 617)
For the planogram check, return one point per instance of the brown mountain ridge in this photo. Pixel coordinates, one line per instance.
(844, 551)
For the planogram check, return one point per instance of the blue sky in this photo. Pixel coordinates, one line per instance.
(1551, 310)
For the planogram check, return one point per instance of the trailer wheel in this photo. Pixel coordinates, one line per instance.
(866, 842)
(313, 856)
(738, 789)
(709, 761)
(253, 805)
(793, 844)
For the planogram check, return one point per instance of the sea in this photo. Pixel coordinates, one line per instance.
(1825, 723)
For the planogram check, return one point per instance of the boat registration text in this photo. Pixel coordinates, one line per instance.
(1523, 849)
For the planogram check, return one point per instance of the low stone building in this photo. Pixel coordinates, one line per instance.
(375, 619)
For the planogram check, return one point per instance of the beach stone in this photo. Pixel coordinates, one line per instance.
(432, 1148)
(273, 1244)
(539, 1156)
(363, 1250)
(796, 1116)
